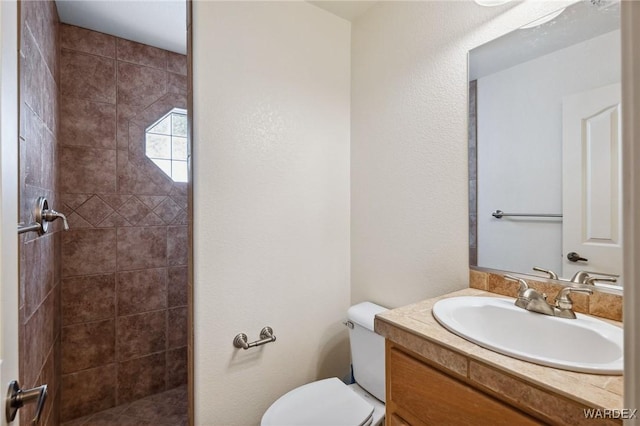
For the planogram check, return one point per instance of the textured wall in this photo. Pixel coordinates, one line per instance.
(39, 333)
(271, 202)
(409, 179)
(124, 273)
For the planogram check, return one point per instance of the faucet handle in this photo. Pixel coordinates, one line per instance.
(523, 284)
(594, 280)
(563, 301)
(552, 275)
(50, 215)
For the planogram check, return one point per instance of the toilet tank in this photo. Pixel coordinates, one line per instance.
(367, 349)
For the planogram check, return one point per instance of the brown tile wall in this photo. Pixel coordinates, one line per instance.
(39, 305)
(600, 304)
(124, 261)
(473, 173)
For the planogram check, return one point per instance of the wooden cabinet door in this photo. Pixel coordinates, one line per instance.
(422, 395)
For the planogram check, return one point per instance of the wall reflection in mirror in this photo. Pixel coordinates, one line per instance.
(545, 147)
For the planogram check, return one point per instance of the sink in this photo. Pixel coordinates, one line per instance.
(584, 344)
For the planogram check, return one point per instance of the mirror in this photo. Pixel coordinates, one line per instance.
(545, 179)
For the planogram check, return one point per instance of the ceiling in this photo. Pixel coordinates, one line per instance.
(159, 23)
(162, 23)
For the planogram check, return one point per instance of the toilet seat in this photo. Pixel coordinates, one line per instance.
(321, 403)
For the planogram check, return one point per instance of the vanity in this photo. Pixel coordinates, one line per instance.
(435, 377)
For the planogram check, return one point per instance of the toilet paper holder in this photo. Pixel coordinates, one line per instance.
(266, 336)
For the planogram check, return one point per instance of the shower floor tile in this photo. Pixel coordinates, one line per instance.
(167, 408)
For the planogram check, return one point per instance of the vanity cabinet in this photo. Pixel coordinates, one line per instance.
(419, 394)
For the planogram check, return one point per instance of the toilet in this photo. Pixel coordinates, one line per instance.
(330, 401)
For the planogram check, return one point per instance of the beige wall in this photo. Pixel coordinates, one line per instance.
(271, 202)
(409, 222)
(272, 164)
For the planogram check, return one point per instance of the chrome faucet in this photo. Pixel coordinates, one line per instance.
(564, 304)
(530, 299)
(50, 215)
(42, 215)
(580, 277)
(584, 277)
(533, 301)
(552, 275)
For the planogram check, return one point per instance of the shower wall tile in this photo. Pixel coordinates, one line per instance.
(32, 288)
(177, 245)
(88, 391)
(167, 210)
(88, 298)
(42, 20)
(49, 157)
(73, 201)
(151, 219)
(94, 210)
(141, 54)
(123, 262)
(39, 321)
(113, 220)
(87, 123)
(141, 377)
(145, 116)
(124, 115)
(50, 375)
(141, 291)
(176, 63)
(87, 77)
(144, 247)
(177, 83)
(142, 334)
(31, 163)
(76, 221)
(133, 210)
(87, 41)
(140, 86)
(115, 200)
(95, 339)
(133, 180)
(50, 101)
(32, 74)
(88, 251)
(31, 348)
(87, 170)
(176, 367)
(178, 335)
(178, 286)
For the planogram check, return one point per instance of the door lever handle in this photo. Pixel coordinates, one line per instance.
(575, 257)
(17, 398)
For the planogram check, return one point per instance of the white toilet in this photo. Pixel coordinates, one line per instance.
(330, 402)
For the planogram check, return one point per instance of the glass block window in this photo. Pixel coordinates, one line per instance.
(166, 144)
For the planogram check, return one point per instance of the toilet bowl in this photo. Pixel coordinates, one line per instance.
(330, 402)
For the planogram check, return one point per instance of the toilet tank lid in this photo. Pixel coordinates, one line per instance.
(364, 313)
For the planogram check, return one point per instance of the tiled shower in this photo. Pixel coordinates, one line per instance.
(103, 305)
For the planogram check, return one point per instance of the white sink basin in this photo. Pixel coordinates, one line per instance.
(584, 344)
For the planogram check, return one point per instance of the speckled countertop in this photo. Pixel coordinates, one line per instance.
(598, 391)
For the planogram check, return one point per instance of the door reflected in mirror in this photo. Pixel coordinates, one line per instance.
(545, 147)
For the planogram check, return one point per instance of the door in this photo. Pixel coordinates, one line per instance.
(592, 181)
(8, 196)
